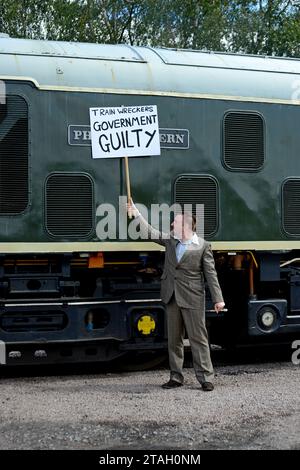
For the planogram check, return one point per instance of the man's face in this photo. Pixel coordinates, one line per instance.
(177, 226)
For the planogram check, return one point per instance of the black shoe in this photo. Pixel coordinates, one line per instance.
(172, 384)
(207, 386)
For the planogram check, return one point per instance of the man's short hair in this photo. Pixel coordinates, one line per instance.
(190, 220)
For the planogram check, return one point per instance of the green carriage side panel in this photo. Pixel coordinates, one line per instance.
(193, 91)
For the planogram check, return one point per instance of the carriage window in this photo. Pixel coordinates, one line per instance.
(243, 141)
(13, 155)
(200, 189)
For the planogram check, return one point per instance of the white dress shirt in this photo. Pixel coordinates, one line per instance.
(181, 246)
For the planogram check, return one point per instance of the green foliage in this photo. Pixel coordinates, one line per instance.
(269, 27)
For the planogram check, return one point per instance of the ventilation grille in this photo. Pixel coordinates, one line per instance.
(243, 141)
(196, 189)
(69, 205)
(13, 155)
(291, 206)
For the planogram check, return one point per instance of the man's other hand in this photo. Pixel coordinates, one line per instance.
(219, 306)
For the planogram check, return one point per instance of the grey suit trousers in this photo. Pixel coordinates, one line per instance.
(192, 321)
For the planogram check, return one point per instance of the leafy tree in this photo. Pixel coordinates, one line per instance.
(251, 26)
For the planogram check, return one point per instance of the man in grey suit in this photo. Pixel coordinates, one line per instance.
(188, 259)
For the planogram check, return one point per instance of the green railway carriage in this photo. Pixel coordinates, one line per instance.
(229, 133)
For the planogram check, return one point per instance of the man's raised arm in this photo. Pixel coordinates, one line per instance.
(153, 234)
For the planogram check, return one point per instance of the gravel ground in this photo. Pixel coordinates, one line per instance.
(252, 407)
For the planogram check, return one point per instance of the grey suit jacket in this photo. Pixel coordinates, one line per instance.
(186, 278)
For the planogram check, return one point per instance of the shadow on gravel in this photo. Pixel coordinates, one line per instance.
(125, 364)
(253, 354)
(220, 357)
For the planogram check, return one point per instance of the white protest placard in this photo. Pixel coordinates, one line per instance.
(126, 131)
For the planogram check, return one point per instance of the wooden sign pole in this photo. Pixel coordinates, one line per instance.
(127, 183)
